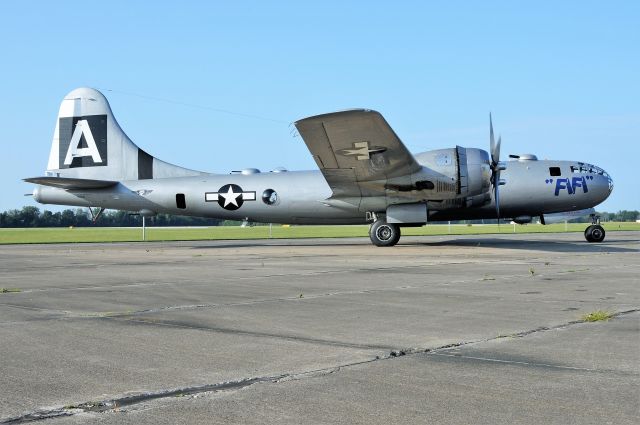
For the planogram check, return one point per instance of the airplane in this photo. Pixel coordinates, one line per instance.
(366, 175)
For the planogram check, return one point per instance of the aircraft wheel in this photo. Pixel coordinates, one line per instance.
(594, 233)
(384, 234)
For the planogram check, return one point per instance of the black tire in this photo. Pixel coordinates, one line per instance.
(382, 233)
(587, 234)
(595, 233)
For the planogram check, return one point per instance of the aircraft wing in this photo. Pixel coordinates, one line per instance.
(70, 183)
(357, 151)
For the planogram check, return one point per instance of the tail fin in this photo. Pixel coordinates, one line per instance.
(88, 143)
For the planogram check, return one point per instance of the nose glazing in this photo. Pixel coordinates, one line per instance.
(610, 182)
(605, 182)
(601, 182)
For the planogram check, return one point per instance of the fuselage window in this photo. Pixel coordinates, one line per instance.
(180, 201)
(270, 197)
(555, 171)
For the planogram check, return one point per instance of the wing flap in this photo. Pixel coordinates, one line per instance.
(71, 183)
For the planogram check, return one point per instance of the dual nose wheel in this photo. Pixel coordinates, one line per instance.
(594, 233)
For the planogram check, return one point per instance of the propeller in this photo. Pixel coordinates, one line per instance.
(496, 167)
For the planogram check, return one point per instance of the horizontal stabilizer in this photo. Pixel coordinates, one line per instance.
(71, 183)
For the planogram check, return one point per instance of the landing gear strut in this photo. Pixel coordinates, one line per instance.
(595, 232)
(383, 233)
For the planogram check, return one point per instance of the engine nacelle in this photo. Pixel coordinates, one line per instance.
(467, 170)
(478, 172)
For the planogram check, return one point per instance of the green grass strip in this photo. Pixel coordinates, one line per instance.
(107, 234)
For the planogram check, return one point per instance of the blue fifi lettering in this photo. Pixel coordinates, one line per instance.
(580, 182)
(571, 185)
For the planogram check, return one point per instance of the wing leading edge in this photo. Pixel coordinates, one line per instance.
(357, 151)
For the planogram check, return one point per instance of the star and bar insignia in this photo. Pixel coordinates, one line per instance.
(362, 151)
(230, 197)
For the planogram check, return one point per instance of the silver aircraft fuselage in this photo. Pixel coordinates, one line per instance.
(303, 196)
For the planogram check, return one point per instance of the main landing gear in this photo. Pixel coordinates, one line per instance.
(383, 233)
(595, 232)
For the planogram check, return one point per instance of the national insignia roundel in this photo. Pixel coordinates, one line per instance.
(230, 197)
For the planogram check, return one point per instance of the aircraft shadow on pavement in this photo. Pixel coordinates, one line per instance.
(611, 245)
(539, 245)
(283, 243)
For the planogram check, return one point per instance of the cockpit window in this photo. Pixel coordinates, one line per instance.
(555, 171)
(584, 168)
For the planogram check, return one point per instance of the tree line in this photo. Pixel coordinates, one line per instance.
(31, 216)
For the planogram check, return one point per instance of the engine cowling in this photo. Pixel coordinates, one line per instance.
(478, 172)
(468, 171)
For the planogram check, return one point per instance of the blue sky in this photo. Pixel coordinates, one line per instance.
(561, 78)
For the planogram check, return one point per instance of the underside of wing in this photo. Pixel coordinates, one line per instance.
(356, 150)
(71, 183)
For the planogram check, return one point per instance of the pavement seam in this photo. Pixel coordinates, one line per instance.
(533, 364)
(70, 314)
(325, 272)
(515, 335)
(117, 403)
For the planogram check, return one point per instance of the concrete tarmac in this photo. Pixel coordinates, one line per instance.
(446, 329)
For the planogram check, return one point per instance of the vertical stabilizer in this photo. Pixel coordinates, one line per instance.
(88, 143)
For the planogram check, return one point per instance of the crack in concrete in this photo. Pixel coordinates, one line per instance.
(322, 272)
(64, 314)
(235, 278)
(130, 400)
(521, 334)
(115, 404)
(70, 314)
(534, 364)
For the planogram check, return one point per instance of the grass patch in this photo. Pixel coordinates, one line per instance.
(132, 234)
(9, 290)
(597, 316)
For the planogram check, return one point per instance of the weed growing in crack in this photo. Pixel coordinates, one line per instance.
(9, 290)
(597, 316)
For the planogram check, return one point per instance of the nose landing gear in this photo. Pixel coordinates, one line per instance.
(595, 232)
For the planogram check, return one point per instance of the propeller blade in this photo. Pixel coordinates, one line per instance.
(492, 142)
(497, 197)
(495, 166)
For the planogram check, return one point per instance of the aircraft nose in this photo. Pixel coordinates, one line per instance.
(604, 184)
(609, 182)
